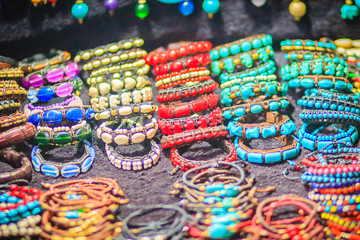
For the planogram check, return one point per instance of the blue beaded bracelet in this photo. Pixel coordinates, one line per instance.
(307, 177)
(324, 116)
(325, 82)
(315, 92)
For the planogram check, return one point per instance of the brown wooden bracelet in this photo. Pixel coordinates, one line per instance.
(17, 160)
(16, 135)
(13, 119)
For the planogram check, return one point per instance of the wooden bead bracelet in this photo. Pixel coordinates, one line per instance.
(189, 137)
(17, 160)
(177, 110)
(11, 73)
(13, 93)
(138, 67)
(130, 111)
(136, 163)
(177, 125)
(16, 135)
(12, 120)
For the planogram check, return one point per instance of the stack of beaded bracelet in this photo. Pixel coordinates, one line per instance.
(220, 197)
(19, 212)
(80, 209)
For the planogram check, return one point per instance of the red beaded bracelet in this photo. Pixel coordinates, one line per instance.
(154, 59)
(191, 136)
(203, 103)
(339, 191)
(178, 125)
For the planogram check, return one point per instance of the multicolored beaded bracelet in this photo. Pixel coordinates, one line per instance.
(51, 74)
(326, 82)
(300, 55)
(124, 98)
(11, 73)
(178, 125)
(241, 45)
(246, 80)
(16, 135)
(136, 68)
(275, 125)
(27, 226)
(20, 162)
(188, 137)
(310, 140)
(130, 135)
(186, 91)
(177, 110)
(291, 150)
(324, 116)
(328, 103)
(108, 49)
(10, 105)
(12, 120)
(351, 97)
(130, 111)
(63, 135)
(134, 163)
(307, 45)
(13, 93)
(70, 169)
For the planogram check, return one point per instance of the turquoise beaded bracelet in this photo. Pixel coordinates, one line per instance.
(314, 92)
(324, 116)
(328, 104)
(301, 55)
(325, 82)
(308, 45)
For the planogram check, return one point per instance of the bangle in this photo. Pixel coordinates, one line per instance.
(68, 169)
(189, 137)
(203, 103)
(322, 81)
(302, 55)
(10, 73)
(185, 164)
(256, 106)
(108, 49)
(291, 150)
(310, 140)
(74, 100)
(40, 61)
(12, 120)
(275, 125)
(16, 135)
(131, 135)
(247, 80)
(13, 93)
(51, 74)
(314, 92)
(10, 105)
(130, 111)
(63, 135)
(324, 116)
(124, 98)
(64, 89)
(328, 103)
(192, 48)
(307, 45)
(55, 115)
(241, 45)
(117, 84)
(178, 125)
(134, 163)
(117, 58)
(186, 91)
(138, 67)
(18, 160)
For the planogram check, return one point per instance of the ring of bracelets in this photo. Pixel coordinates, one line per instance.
(116, 85)
(255, 106)
(307, 45)
(130, 111)
(110, 48)
(63, 135)
(16, 135)
(246, 80)
(13, 93)
(20, 162)
(275, 125)
(300, 55)
(125, 136)
(138, 68)
(327, 103)
(13, 119)
(178, 125)
(313, 92)
(53, 74)
(323, 116)
(124, 98)
(134, 163)
(291, 150)
(322, 81)
(195, 135)
(186, 91)
(11, 73)
(56, 115)
(68, 169)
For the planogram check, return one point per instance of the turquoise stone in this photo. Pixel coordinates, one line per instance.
(45, 94)
(212, 200)
(239, 112)
(70, 170)
(257, 43)
(290, 154)
(272, 89)
(323, 144)
(325, 83)
(294, 83)
(284, 103)
(273, 105)
(52, 116)
(224, 52)
(340, 85)
(297, 43)
(50, 170)
(256, 108)
(35, 119)
(321, 44)
(217, 211)
(255, 157)
(214, 55)
(269, 131)
(272, 157)
(310, 43)
(234, 129)
(246, 46)
(74, 115)
(235, 49)
(317, 68)
(308, 56)
(227, 114)
(241, 153)
(307, 82)
(246, 92)
(288, 128)
(252, 133)
(214, 187)
(36, 163)
(308, 144)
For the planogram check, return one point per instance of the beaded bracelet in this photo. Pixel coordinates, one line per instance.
(326, 82)
(185, 164)
(203, 103)
(13, 93)
(291, 150)
(116, 58)
(12, 120)
(64, 89)
(314, 92)
(307, 45)
(108, 49)
(178, 125)
(138, 67)
(300, 55)
(177, 82)
(51, 74)
(124, 98)
(189, 137)
(328, 103)
(155, 58)
(40, 61)
(255, 106)
(275, 125)
(182, 75)
(241, 45)
(74, 100)
(63, 135)
(186, 91)
(130, 111)
(324, 116)
(55, 115)
(9, 84)
(20, 162)
(69, 169)
(130, 135)
(16, 135)
(247, 80)
(116, 85)
(10, 73)
(311, 141)
(25, 227)
(134, 163)
(10, 105)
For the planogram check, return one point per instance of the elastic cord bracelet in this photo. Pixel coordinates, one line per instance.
(11, 73)
(69, 169)
(307, 45)
(12, 120)
(189, 137)
(134, 163)
(17, 160)
(324, 116)
(130, 111)
(16, 135)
